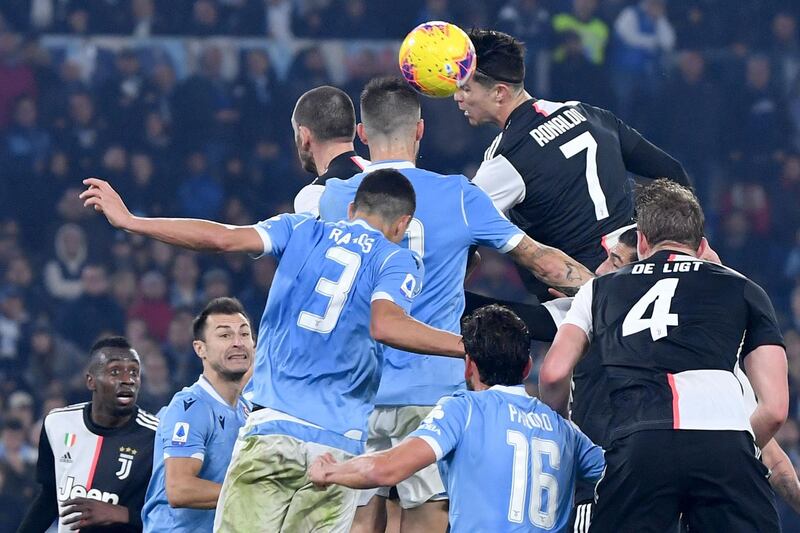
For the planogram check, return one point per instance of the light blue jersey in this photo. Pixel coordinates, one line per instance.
(315, 358)
(509, 462)
(197, 423)
(452, 215)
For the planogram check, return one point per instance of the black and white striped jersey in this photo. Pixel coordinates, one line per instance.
(560, 172)
(669, 332)
(78, 458)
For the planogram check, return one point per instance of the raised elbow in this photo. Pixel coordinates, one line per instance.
(549, 375)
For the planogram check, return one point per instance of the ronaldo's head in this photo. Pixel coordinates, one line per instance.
(498, 79)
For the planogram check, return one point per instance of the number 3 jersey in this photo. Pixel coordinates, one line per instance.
(509, 461)
(315, 358)
(452, 214)
(79, 459)
(670, 332)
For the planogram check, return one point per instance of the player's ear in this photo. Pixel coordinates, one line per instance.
(703, 248)
(420, 129)
(351, 210)
(90, 383)
(199, 348)
(401, 225)
(527, 370)
(361, 131)
(642, 246)
(305, 137)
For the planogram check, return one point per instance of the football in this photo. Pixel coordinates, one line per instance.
(437, 58)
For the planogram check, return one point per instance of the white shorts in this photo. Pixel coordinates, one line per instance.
(387, 427)
(266, 487)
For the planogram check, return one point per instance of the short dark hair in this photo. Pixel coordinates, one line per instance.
(110, 342)
(217, 306)
(497, 340)
(97, 348)
(387, 104)
(499, 58)
(328, 112)
(629, 238)
(667, 211)
(386, 193)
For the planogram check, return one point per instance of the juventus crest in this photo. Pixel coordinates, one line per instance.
(125, 458)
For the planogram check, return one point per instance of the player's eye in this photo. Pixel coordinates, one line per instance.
(114, 372)
(246, 334)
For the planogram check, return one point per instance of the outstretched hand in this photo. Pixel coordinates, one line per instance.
(102, 197)
(319, 469)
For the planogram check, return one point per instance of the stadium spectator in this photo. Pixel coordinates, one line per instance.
(200, 195)
(642, 35)
(17, 77)
(152, 305)
(185, 273)
(573, 67)
(26, 146)
(260, 102)
(63, 272)
(93, 312)
(785, 51)
(51, 359)
(693, 134)
(591, 30)
(144, 20)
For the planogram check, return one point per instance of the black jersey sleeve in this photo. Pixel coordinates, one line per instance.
(647, 160)
(762, 325)
(541, 325)
(44, 508)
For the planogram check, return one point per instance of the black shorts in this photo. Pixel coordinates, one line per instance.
(712, 478)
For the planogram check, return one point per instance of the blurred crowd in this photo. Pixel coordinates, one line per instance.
(199, 127)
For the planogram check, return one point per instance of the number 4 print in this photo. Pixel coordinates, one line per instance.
(660, 295)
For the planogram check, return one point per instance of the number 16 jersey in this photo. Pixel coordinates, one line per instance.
(315, 358)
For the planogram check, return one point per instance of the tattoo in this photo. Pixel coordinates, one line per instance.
(551, 266)
(572, 276)
(568, 291)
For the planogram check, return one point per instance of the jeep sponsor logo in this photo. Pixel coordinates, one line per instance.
(72, 490)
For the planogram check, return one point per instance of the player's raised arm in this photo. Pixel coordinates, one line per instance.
(188, 233)
(551, 266)
(391, 325)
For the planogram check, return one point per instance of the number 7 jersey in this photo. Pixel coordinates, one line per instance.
(315, 358)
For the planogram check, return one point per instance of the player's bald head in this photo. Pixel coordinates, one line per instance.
(388, 106)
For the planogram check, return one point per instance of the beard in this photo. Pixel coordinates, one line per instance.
(307, 161)
(227, 374)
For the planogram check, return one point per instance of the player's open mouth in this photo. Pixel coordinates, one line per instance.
(125, 397)
(236, 356)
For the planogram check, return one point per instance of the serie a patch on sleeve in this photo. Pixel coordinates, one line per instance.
(180, 433)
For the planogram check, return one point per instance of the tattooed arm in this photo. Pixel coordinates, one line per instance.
(550, 265)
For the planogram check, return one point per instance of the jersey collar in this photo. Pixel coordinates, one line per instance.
(395, 164)
(209, 388)
(363, 223)
(516, 390)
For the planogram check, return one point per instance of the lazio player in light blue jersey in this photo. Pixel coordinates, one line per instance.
(452, 215)
(510, 462)
(340, 289)
(198, 429)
